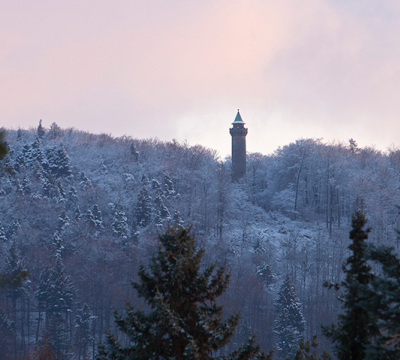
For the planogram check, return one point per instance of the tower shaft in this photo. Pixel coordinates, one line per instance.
(238, 133)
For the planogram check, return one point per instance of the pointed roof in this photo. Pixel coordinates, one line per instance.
(238, 119)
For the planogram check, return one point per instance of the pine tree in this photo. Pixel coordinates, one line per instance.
(72, 197)
(356, 327)
(89, 218)
(7, 333)
(40, 129)
(54, 131)
(12, 229)
(63, 221)
(383, 303)
(304, 351)
(63, 162)
(168, 186)
(19, 134)
(185, 321)
(59, 161)
(177, 217)
(289, 324)
(27, 154)
(143, 208)
(84, 180)
(55, 294)
(37, 154)
(3, 237)
(119, 224)
(3, 145)
(98, 219)
(83, 336)
(134, 152)
(26, 185)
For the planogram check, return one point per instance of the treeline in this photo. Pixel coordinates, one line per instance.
(80, 212)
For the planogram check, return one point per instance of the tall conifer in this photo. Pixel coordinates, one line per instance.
(185, 321)
(356, 327)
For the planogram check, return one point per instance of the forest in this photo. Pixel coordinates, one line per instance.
(82, 212)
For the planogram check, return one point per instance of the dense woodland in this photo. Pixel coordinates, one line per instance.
(81, 212)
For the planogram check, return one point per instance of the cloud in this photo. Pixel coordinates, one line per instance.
(165, 69)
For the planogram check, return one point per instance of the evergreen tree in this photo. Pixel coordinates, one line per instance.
(61, 190)
(265, 273)
(356, 327)
(177, 217)
(55, 294)
(54, 131)
(19, 163)
(304, 351)
(63, 162)
(135, 233)
(83, 336)
(63, 221)
(72, 197)
(13, 229)
(134, 152)
(90, 219)
(383, 304)
(40, 129)
(119, 224)
(98, 219)
(19, 134)
(47, 188)
(37, 154)
(59, 161)
(185, 321)
(7, 333)
(168, 186)
(14, 266)
(77, 213)
(26, 185)
(27, 154)
(84, 180)
(3, 237)
(289, 324)
(143, 208)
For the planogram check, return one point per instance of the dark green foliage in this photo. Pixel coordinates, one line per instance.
(383, 304)
(185, 321)
(143, 208)
(289, 324)
(356, 327)
(3, 145)
(119, 224)
(40, 129)
(304, 352)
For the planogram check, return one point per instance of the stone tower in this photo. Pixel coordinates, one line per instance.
(238, 133)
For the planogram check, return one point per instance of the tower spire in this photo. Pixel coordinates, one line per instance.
(238, 133)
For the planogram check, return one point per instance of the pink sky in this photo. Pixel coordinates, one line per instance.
(180, 69)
